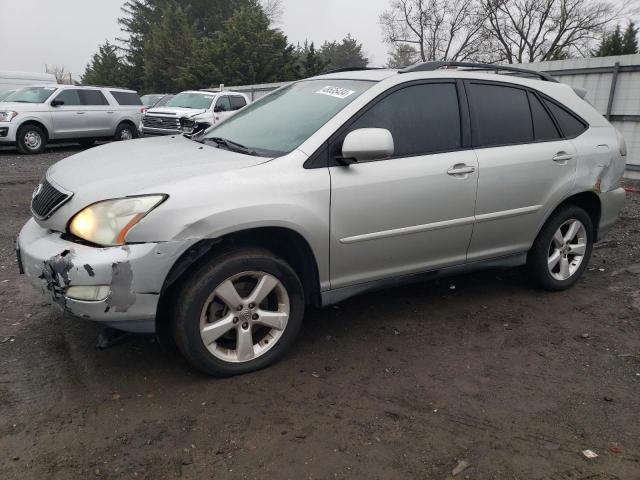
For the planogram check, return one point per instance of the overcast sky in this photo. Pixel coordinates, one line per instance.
(67, 32)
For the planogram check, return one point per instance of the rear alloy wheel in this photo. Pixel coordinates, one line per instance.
(31, 139)
(238, 313)
(562, 249)
(125, 132)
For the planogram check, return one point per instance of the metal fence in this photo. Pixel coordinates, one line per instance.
(612, 84)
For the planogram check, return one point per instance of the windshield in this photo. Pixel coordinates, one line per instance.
(281, 121)
(150, 100)
(191, 100)
(4, 95)
(163, 101)
(31, 95)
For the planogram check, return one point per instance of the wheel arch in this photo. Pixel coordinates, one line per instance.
(587, 200)
(129, 122)
(36, 123)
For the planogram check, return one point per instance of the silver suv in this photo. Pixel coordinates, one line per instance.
(34, 116)
(326, 188)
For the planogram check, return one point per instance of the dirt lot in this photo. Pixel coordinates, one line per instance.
(404, 383)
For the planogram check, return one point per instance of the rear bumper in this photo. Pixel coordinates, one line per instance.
(134, 274)
(611, 204)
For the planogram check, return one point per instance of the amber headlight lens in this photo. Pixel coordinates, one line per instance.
(107, 223)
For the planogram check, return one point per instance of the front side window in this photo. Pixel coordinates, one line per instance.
(422, 119)
(93, 97)
(501, 115)
(237, 103)
(70, 97)
(282, 121)
(223, 104)
(31, 95)
(191, 100)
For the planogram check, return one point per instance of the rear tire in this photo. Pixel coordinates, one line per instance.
(218, 327)
(561, 252)
(125, 131)
(31, 139)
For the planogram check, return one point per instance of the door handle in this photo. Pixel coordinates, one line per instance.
(81, 113)
(562, 157)
(460, 169)
(110, 112)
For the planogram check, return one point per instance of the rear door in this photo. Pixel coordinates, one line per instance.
(413, 212)
(69, 119)
(525, 166)
(99, 113)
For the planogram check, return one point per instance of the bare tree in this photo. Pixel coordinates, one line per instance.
(60, 72)
(538, 30)
(438, 29)
(274, 10)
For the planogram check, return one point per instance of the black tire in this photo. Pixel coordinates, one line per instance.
(537, 269)
(122, 130)
(34, 132)
(192, 295)
(87, 142)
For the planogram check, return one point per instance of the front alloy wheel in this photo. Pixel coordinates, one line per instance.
(237, 312)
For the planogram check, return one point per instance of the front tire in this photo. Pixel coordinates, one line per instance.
(239, 312)
(561, 252)
(31, 139)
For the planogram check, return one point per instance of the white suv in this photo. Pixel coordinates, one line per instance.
(34, 116)
(192, 111)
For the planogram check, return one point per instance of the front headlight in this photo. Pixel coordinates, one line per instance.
(7, 115)
(107, 223)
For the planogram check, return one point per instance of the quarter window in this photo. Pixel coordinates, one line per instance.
(569, 124)
(129, 98)
(543, 126)
(422, 119)
(501, 114)
(70, 97)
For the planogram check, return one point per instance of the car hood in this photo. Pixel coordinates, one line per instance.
(157, 165)
(175, 111)
(23, 107)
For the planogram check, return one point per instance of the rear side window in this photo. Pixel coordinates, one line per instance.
(93, 97)
(70, 97)
(569, 124)
(126, 98)
(422, 119)
(543, 126)
(501, 115)
(237, 103)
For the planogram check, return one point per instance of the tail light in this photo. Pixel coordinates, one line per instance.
(143, 109)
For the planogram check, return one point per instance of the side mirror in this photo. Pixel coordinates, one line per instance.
(218, 109)
(367, 144)
(57, 103)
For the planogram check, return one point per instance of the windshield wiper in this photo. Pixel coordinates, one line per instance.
(230, 145)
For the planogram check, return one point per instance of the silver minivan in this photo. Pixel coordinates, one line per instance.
(326, 188)
(33, 116)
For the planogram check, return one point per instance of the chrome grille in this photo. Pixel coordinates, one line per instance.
(47, 199)
(167, 123)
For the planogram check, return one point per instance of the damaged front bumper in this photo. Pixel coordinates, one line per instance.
(134, 275)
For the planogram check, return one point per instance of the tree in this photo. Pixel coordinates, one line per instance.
(630, 40)
(309, 62)
(168, 48)
(347, 53)
(538, 30)
(402, 55)
(437, 29)
(248, 51)
(105, 68)
(63, 76)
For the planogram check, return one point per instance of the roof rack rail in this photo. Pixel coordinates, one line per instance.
(431, 66)
(352, 69)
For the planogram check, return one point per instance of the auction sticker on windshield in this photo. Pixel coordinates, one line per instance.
(337, 92)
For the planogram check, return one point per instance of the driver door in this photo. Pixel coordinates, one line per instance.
(222, 109)
(413, 212)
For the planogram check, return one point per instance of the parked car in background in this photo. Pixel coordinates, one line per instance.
(155, 99)
(11, 81)
(327, 188)
(200, 108)
(34, 116)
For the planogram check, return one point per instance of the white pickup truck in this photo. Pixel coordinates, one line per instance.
(199, 108)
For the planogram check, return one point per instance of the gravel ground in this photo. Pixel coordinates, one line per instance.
(405, 383)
